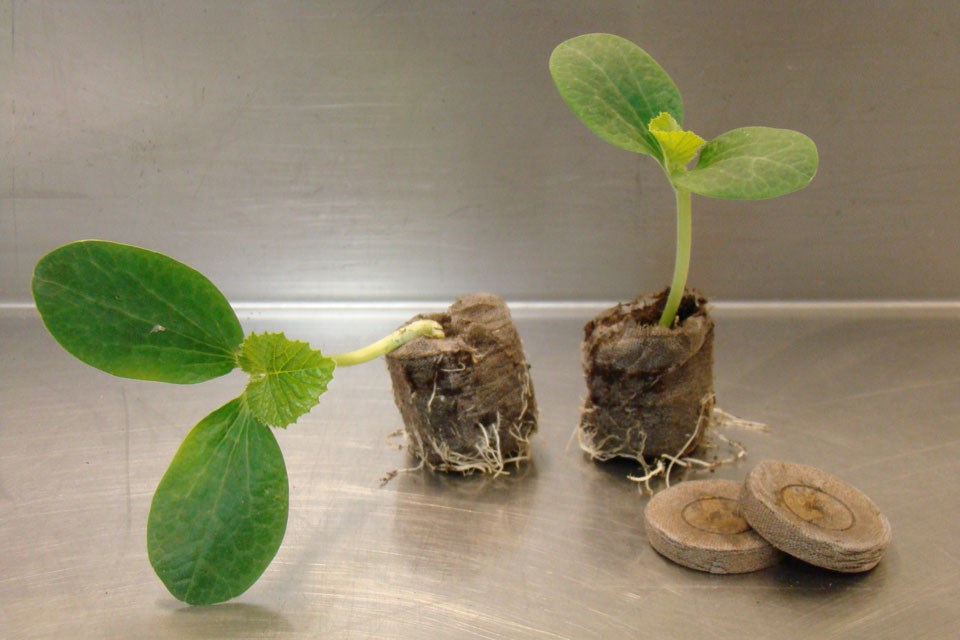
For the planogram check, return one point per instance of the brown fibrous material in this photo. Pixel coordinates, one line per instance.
(650, 388)
(467, 399)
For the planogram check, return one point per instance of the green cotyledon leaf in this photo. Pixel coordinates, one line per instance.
(136, 313)
(287, 377)
(615, 88)
(220, 512)
(752, 163)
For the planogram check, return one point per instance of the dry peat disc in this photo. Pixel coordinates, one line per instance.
(698, 524)
(814, 516)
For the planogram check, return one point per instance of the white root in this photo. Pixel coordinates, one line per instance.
(487, 456)
(433, 394)
(612, 444)
(716, 419)
(729, 421)
(709, 421)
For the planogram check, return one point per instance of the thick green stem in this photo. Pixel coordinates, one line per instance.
(395, 340)
(682, 265)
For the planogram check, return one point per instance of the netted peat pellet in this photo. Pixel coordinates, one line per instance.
(698, 524)
(650, 388)
(467, 399)
(814, 516)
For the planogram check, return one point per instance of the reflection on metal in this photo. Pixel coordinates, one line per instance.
(556, 550)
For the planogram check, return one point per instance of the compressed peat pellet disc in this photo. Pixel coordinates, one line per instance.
(698, 524)
(814, 516)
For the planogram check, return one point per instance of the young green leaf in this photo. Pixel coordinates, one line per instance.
(136, 313)
(286, 377)
(752, 163)
(615, 88)
(219, 513)
(678, 146)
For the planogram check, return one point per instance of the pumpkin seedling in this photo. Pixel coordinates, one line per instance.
(627, 99)
(648, 363)
(219, 513)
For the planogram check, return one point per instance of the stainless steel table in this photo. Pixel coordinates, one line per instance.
(555, 550)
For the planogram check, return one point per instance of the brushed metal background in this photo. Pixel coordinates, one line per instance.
(363, 151)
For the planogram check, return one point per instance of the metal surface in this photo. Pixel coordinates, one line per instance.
(369, 150)
(556, 550)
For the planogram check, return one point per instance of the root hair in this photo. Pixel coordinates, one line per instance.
(487, 454)
(711, 419)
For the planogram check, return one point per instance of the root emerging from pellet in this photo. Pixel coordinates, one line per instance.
(467, 400)
(487, 452)
(647, 386)
(710, 421)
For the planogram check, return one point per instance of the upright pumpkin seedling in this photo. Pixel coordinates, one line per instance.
(220, 511)
(627, 99)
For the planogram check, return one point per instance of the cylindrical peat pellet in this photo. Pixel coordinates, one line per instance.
(814, 516)
(650, 388)
(467, 399)
(698, 524)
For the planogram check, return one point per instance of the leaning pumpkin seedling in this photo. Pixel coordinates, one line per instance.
(219, 513)
(648, 363)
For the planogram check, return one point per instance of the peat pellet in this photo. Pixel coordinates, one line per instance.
(650, 388)
(814, 516)
(467, 399)
(698, 524)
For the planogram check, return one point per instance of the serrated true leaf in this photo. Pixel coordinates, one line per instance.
(287, 377)
(752, 163)
(678, 146)
(136, 313)
(220, 512)
(615, 88)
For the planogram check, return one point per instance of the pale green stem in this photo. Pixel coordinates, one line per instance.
(682, 265)
(395, 340)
